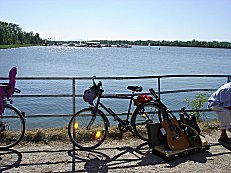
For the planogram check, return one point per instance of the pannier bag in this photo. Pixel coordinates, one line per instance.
(142, 99)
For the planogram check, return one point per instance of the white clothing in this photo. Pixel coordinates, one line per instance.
(218, 101)
(224, 116)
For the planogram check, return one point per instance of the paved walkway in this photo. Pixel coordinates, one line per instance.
(115, 156)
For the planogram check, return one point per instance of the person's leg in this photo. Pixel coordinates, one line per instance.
(223, 133)
(224, 115)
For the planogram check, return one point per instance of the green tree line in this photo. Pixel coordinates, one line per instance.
(193, 43)
(11, 34)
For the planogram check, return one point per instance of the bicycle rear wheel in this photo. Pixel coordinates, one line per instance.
(12, 127)
(143, 114)
(88, 129)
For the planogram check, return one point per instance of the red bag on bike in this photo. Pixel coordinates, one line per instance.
(142, 99)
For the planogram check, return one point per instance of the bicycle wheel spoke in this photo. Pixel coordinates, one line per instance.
(12, 127)
(88, 131)
(147, 113)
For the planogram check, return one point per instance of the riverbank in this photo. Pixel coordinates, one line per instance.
(49, 135)
(16, 46)
(115, 156)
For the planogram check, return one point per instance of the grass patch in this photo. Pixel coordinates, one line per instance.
(46, 135)
(208, 126)
(61, 135)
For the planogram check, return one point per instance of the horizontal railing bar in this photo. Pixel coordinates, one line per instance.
(125, 113)
(193, 110)
(58, 115)
(113, 78)
(47, 115)
(186, 90)
(126, 96)
(122, 96)
(198, 75)
(44, 95)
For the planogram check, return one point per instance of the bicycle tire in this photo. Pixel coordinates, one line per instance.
(86, 138)
(143, 114)
(12, 127)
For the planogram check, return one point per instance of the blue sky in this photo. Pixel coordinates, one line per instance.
(122, 19)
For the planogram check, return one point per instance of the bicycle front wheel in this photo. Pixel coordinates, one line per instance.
(143, 114)
(12, 127)
(88, 128)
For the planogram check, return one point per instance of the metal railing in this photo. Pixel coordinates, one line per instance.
(74, 94)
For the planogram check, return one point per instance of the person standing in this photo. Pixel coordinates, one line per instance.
(220, 102)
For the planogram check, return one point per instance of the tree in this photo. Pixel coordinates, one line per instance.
(12, 34)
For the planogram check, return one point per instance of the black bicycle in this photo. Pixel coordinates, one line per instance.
(12, 121)
(88, 128)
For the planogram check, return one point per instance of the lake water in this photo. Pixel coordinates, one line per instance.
(115, 62)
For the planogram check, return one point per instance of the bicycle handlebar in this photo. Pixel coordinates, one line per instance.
(153, 93)
(99, 86)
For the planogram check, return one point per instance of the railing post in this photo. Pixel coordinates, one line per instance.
(73, 102)
(73, 95)
(228, 79)
(158, 87)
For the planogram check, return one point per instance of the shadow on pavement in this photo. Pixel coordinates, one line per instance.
(101, 160)
(127, 157)
(9, 159)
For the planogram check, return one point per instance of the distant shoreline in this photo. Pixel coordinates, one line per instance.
(128, 44)
(16, 46)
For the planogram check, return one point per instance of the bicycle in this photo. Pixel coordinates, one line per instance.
(12, 120)
(88, 128)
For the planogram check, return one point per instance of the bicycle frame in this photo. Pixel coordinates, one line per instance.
(114, 115)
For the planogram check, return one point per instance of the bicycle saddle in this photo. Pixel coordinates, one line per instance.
(135, 88)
